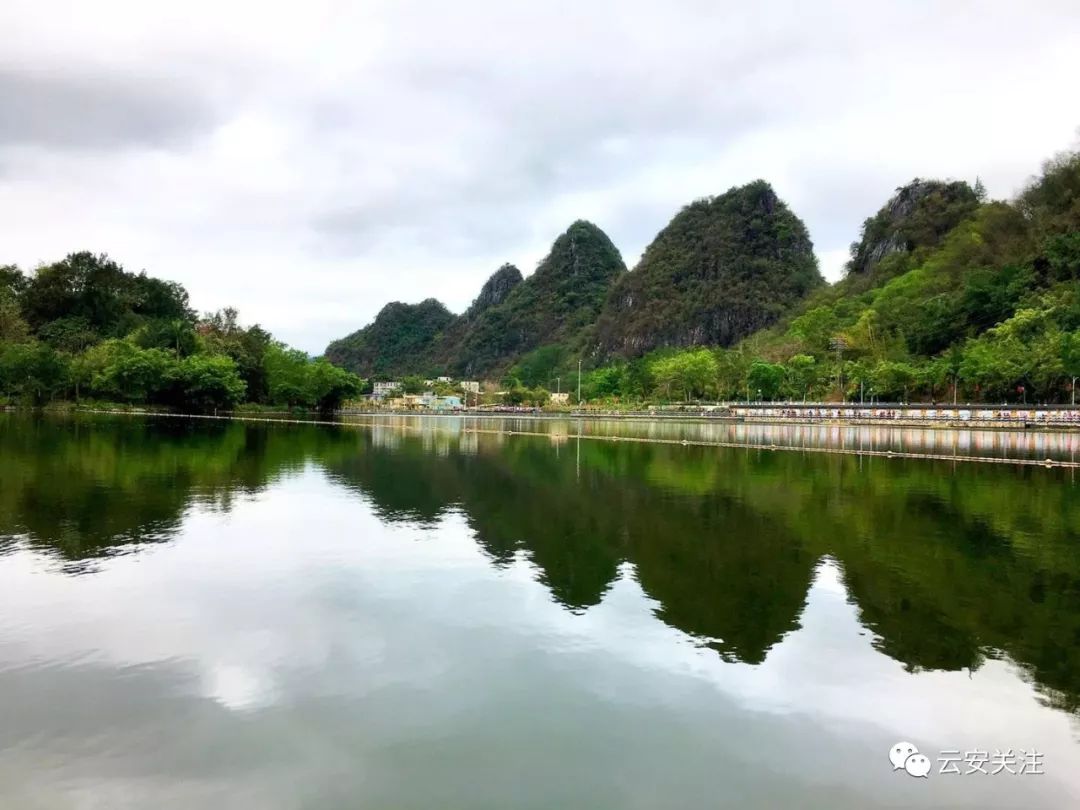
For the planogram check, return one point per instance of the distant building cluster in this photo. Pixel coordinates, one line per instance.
(426, 402)
(392, 393)
(385, 389)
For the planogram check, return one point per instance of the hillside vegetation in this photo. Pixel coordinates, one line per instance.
(398, 342)
(510, 318)
(83, 327)
(722, 269)
(947, 296)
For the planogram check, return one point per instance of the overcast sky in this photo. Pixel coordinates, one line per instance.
(309, 161)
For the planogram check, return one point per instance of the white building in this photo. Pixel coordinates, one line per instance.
(470, 386)
(444, 379)
(382, 389)
(560, 399)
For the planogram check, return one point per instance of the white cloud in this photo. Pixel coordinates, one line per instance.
(308, 163)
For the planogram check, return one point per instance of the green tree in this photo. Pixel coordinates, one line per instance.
(539, 366)
(413, 384)
(1062, 253)
(605, 382)
(893, 380)
(1070, 360)
(12, 279)
(286, 375)
(732, 367)
(69, 334)
(98, 290)
(206, 383)
(933, 377)
(173, 335)
(765, 379)
(539, 396)
(992, 367)
(689, 373)
(859, 380)
(801, 374)
(127, 373)
(980, 190)
(330, 386)
(32, 371)
(222, 334)
(699, 370)
(13, 328)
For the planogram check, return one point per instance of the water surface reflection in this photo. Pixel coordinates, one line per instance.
(290, 616)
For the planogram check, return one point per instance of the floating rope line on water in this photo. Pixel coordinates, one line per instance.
(840, 451)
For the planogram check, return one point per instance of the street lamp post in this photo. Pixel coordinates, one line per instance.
(579, 382)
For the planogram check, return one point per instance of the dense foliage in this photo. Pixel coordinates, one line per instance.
(83, 327)
(509, 318)
(551, 306)
(983, 305)
(723, 268)
(397, 342)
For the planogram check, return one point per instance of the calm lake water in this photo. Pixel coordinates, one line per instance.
(412, 615)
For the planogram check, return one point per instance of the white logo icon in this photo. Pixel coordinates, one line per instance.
(917, 765)
(899, 753)
(905, 756)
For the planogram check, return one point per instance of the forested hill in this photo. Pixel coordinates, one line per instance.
(946, 294)
(723, 268)
(551, 306)
(397, 342)
(509, 318)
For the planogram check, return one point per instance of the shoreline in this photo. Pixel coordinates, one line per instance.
(936, 423)
(825, 449)
(1034, 420)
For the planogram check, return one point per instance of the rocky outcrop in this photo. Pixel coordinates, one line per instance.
(919, 215)
(495, 290)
